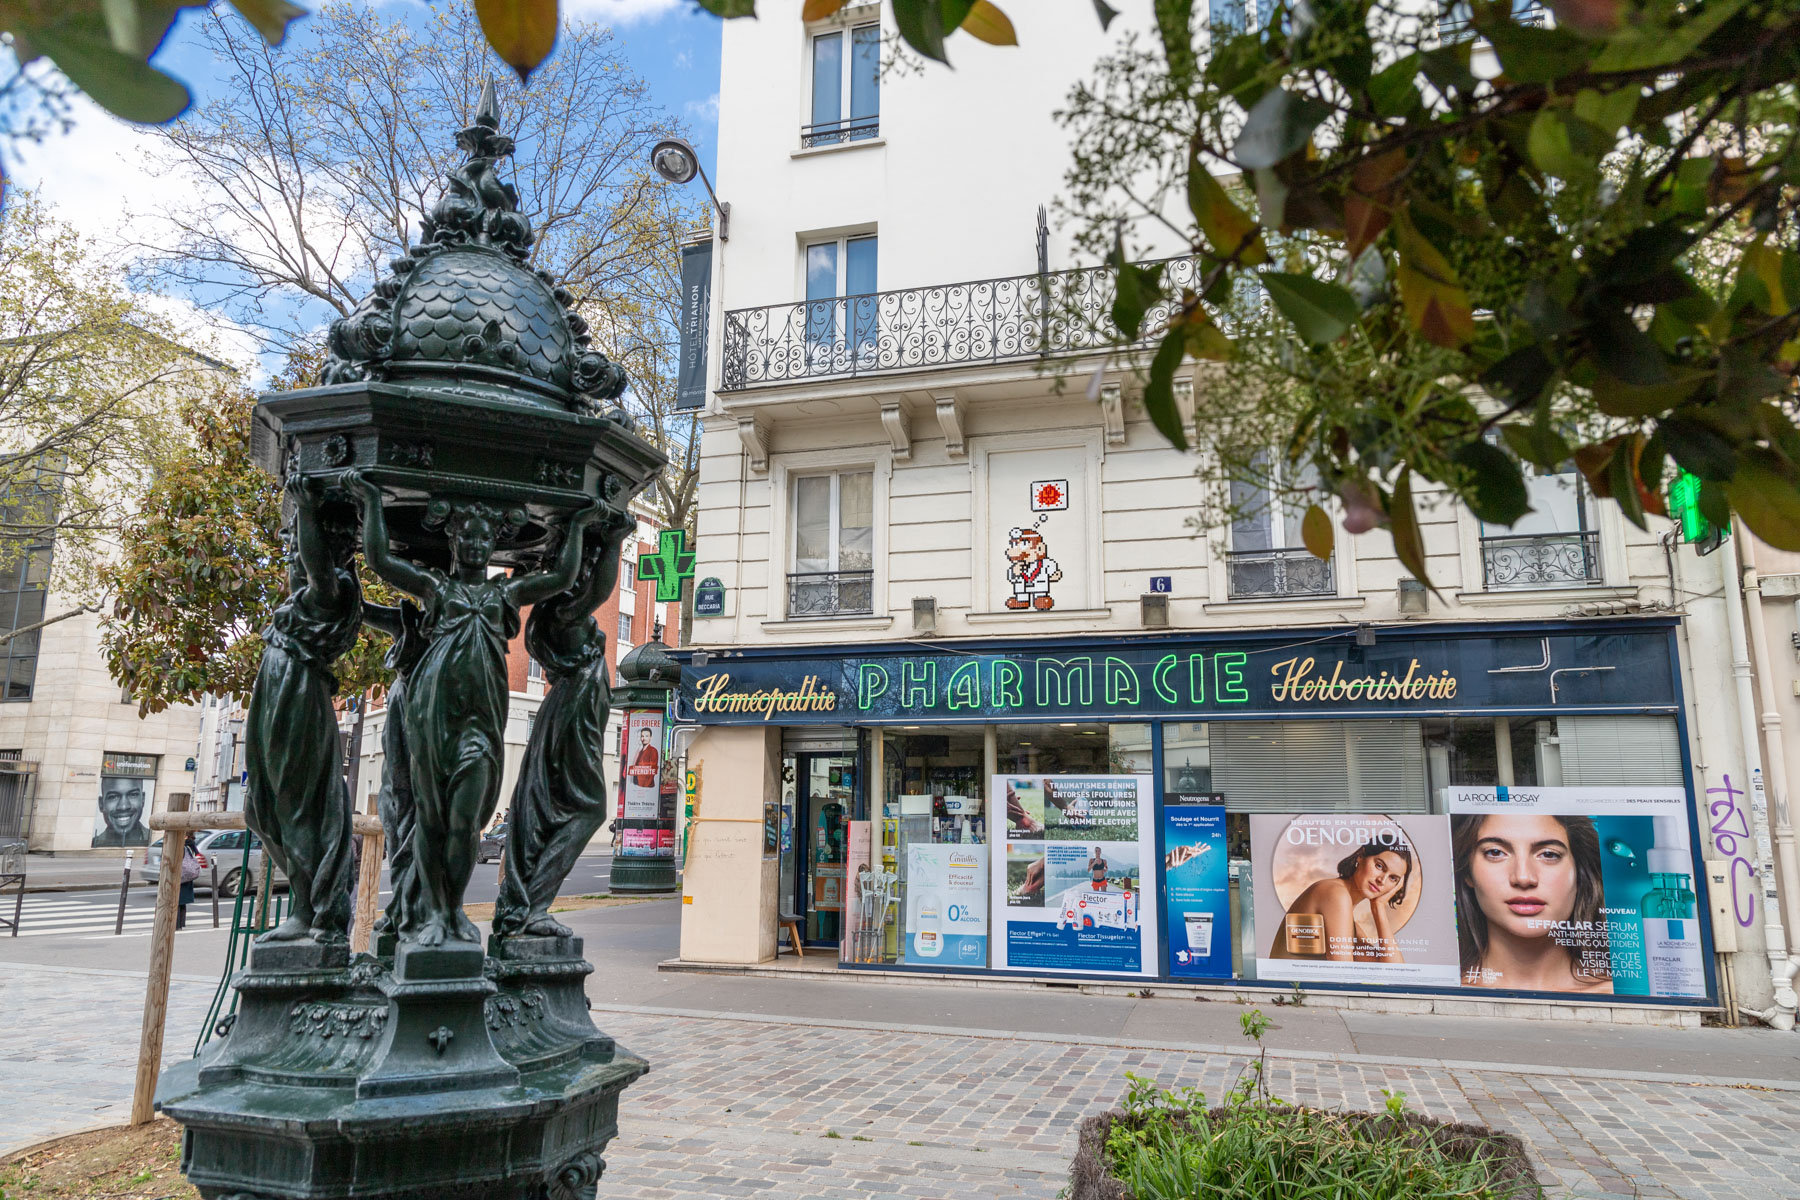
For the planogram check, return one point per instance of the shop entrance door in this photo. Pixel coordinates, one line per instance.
(825, 794)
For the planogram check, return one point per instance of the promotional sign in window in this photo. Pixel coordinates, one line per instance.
(1197, 885)
(1570, 889)
(946, 905)
(1353, 898)
(643, 763)
(1070, 871)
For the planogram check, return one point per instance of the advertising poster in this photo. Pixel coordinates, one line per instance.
(1354, 898)
(1196, 886)
(946, 905)
(124, 805)
(1069, 873)
(1578, 890)
(642, 757)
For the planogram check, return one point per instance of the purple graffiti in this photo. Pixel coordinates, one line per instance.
(1731, 829)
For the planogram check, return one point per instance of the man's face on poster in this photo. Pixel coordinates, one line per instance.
(122, 804)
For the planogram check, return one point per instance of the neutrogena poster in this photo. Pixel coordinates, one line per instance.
(1069, 873)
(1353, 898)
(1577, 890)
(1196, 886)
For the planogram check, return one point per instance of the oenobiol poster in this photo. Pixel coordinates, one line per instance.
(1578, 890)
(1353, 898)
(1069, 874)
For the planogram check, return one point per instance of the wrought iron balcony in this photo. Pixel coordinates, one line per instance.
(1541, 560)
(834, 133)
(985, 321)
(830, 594)
(1265, 574)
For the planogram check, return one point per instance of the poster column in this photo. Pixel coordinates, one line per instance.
(1196, 885)
(1069, 874)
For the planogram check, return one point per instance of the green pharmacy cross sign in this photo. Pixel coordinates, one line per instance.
(672, 563)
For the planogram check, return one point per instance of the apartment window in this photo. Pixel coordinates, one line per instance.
(1267, 556)
(840, 305)
(1556, 544)
(624, 630)
(834, 545)
(846, 87)
(23, 576)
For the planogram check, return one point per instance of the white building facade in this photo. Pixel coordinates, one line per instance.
(987, 694)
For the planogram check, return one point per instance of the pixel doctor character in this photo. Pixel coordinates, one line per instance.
(1031, 570)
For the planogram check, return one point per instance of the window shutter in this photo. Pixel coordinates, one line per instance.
(1619, 752)
(1319, 766)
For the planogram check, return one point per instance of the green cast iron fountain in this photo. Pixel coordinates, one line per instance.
(462, 421)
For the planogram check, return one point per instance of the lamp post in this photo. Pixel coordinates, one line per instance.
(678, 162)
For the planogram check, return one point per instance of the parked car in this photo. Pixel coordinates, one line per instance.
(493, 844)
(227, 846)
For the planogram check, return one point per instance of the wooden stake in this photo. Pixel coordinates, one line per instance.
(156, 988)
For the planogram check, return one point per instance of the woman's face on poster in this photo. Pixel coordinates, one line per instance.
(1377, 876)
(1523, 874)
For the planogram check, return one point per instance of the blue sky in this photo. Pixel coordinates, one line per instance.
(90, 173)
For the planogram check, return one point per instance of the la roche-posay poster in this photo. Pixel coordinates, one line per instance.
(1353, 898)
(1069, 873)
(946, 905)
(1579, 890)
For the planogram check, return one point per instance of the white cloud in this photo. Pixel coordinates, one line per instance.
(621, 12)
(705, 111)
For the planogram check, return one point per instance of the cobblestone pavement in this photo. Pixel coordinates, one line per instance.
(746, 1107)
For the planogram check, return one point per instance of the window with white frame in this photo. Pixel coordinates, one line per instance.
(834, 545)
(1268, 558)
(846, 86)
(1556, 544)
(841, 309)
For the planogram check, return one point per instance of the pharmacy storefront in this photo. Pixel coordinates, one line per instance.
(1499, 807)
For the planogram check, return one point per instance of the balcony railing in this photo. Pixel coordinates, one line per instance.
(985, 321)
(830, 594)
(833, 133)
(1541, 560)
(1264, 574)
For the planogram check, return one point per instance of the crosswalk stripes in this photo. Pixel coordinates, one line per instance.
(44, 916)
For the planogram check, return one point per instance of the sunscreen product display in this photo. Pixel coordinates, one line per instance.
(1671, 933)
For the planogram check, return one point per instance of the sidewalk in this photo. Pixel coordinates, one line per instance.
(739, 1104)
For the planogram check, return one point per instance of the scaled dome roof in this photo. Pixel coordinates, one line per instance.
(464, 308)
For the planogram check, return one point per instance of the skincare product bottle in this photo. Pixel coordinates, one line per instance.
(928, 934)
(1305, 933)
(1671, 933)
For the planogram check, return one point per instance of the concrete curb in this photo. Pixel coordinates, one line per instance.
(1057, 1039)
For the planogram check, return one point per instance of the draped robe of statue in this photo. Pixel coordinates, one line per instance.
(395, 800)
(295, 798)
(560, 798)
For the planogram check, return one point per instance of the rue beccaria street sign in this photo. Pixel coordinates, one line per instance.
(461, 421)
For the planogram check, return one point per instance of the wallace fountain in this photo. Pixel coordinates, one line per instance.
(465, 439)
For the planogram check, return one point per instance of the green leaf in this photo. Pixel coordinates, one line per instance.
(1316, 533)
(1137, 289)
(123, 85)
(1392, 92)
(1403, 523)
(522, 32)
(1521, 377)
(1229, 229)
(1320, 312)
(1159, 389)
(1497, 494)
(1537, 444)
(1278, 125)
(1763, 493)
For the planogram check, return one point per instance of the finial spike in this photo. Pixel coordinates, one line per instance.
(488, 111)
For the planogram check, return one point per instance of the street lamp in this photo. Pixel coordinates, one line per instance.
(676, 161)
